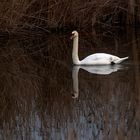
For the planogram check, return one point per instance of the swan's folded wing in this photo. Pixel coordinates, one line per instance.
(97, 59)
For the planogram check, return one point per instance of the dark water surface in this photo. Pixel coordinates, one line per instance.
(44, 97)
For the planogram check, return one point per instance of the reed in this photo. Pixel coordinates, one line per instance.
(36, 87)
(19, 15)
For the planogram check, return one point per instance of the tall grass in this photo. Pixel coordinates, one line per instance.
(16, 15)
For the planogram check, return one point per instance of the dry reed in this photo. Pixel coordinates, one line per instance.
(46, 15)
(36, 87)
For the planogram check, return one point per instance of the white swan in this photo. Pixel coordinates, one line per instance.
(94, 59)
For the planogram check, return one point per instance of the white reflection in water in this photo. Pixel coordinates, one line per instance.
(100, 70)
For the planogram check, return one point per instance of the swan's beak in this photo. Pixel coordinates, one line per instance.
(71, 37)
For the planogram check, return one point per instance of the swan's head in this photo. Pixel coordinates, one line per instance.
(74, 34)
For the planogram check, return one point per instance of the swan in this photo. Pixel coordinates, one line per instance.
(94, 59)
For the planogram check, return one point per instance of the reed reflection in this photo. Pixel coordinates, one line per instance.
(100, 70)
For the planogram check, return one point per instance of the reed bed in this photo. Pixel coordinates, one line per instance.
(20, 16)
(36, 94)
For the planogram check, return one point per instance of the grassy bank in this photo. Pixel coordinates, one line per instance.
(19, 15)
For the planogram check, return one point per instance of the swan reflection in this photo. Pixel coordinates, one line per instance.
(100, 70)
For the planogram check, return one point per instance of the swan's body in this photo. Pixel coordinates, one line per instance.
(94, 59)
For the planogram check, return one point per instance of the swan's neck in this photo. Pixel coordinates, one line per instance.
(75, 57)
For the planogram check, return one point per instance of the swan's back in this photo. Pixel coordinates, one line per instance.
(99, 59)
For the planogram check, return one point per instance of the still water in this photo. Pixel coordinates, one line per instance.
(44, 97)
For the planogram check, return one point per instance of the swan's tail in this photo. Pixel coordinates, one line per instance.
(121, 60)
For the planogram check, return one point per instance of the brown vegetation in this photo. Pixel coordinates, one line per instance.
(16, 15)
(36, 87)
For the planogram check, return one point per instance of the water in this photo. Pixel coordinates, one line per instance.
(43, 96)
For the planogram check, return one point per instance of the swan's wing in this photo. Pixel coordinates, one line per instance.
(99, 59)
